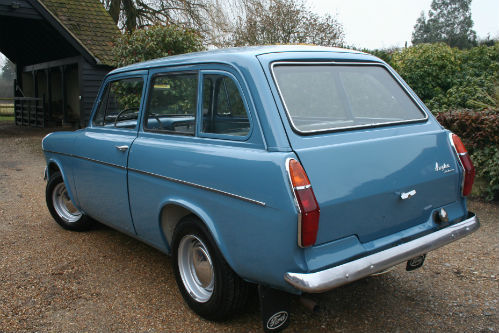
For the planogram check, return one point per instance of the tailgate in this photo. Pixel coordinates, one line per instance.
(359, 183)
(365, 142)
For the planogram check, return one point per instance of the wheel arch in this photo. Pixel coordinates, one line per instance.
(172, 212)
(54, 166)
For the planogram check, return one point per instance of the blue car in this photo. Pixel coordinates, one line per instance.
(294, 168)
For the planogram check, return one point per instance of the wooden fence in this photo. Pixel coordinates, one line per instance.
(29, 111)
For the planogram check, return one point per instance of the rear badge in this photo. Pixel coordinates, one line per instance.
(443, 167)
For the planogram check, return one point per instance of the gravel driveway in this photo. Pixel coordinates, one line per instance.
(102, 280)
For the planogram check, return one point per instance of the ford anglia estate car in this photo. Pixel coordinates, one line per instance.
(298, 169)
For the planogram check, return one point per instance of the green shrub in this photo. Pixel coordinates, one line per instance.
(480, 60)
(155, 42)
(486, 162)
(429, 69)
(446, 78)
(479, 131)
(470, 93)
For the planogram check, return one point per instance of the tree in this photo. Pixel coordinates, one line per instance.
(8, 71)
(284, 22)
(132, 14)
(223, 23)
(155, 42)
(449, 78)
(7, 76)
(448, 21)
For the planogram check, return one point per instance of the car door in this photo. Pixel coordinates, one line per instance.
(103, 147)
(187, 151)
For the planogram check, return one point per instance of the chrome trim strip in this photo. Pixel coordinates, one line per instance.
(88, 159)
(55, 152)
(354, 270)
(232, 195)
(101, 162)
(421, 108)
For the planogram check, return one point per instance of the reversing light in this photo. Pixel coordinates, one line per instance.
(466, 164)
(308, 209)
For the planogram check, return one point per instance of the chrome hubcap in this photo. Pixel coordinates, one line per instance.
(196, 268)
(63, 205)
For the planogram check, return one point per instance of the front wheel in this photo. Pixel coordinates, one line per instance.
(61, 208)
(206, 282)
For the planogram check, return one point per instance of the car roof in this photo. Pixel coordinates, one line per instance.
(230, 55)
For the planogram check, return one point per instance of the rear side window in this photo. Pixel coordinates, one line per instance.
(322, 97)
(223, 107)
(172, 103)
(120, 103)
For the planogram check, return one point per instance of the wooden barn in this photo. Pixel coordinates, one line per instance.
(62, 51)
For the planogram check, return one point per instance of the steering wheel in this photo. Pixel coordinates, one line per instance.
(123, 111)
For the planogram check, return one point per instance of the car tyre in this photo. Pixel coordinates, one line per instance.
(207, 283)
(61, 207)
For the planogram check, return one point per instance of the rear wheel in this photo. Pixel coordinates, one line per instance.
(61, 207)
(206, 282)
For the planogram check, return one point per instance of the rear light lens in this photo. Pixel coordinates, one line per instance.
(308, 208)
(466, 164)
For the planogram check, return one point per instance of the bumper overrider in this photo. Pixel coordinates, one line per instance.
(325, 280)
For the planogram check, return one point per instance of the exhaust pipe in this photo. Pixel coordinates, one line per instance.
(309, 304)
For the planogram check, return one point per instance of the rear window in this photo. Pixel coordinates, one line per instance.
(325, 97)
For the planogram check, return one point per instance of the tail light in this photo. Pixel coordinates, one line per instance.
(308, 209)
(466, 164)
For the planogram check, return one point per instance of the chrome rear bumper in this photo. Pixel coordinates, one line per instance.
(321, 281)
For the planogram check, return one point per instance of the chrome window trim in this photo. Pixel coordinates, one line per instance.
(337, 63)
(179, 181)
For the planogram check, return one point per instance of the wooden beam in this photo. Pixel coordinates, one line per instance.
(52, 64)
(63, 87)
(35, 81)
(49, 92)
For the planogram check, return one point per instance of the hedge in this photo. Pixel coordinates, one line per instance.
(479, 131)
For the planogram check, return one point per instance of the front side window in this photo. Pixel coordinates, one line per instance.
(322, 97)
(172, 103)
(223, 107)
(120, 104)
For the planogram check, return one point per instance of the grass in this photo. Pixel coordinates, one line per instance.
(6, 109)
(7, 112)
(6, 118)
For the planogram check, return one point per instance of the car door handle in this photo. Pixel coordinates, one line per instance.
(122, 148)
(407, 195)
